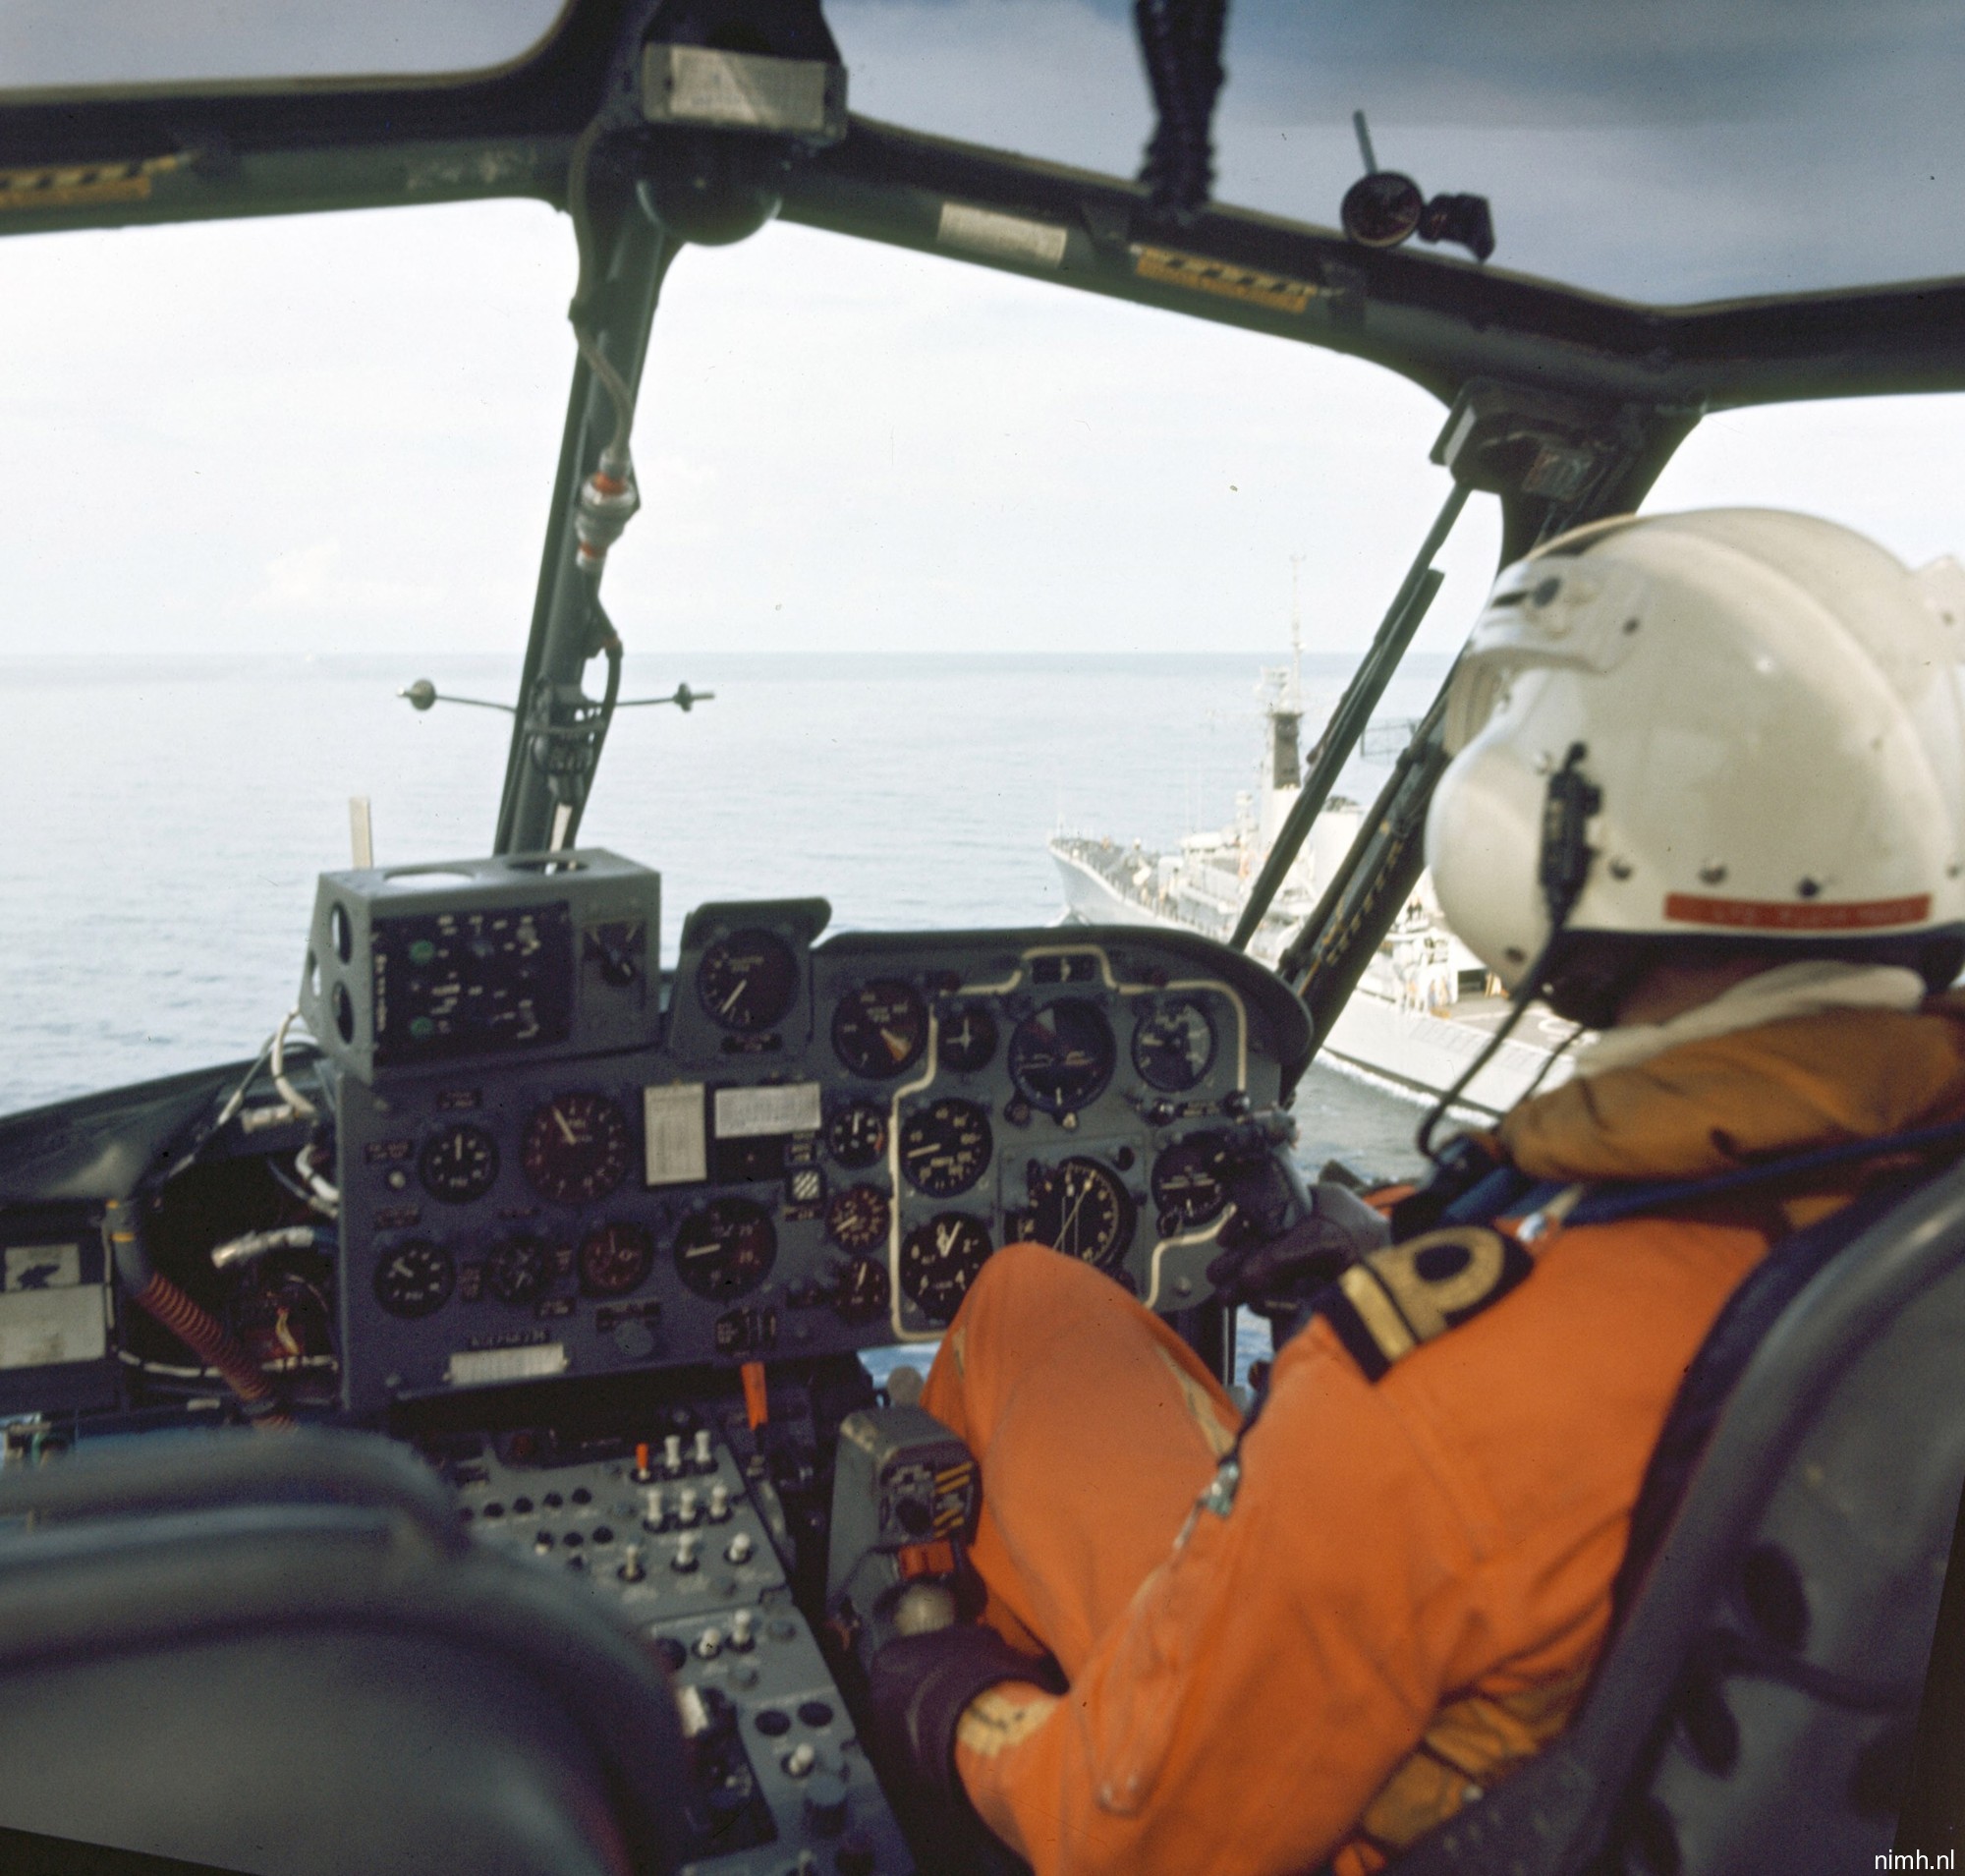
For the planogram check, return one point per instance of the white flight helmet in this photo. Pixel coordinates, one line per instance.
(1770, 712)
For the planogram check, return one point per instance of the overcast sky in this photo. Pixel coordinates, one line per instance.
(340, 432)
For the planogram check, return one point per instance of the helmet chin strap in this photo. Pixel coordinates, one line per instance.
(1563, 870)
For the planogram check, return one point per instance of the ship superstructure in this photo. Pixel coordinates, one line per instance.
(1425, 1006)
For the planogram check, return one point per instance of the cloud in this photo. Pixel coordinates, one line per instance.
(340, 432)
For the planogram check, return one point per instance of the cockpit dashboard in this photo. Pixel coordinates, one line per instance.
(817, 1155)
(603, 1242)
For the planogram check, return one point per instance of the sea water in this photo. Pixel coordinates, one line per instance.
(166, 818)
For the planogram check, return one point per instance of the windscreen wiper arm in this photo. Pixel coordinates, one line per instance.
(1353, 711)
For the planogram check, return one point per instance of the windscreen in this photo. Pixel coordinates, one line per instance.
(1661, 150)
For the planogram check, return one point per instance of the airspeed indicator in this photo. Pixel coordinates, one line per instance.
(880, 1029)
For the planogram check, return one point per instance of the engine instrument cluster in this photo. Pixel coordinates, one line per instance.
(822, 1147)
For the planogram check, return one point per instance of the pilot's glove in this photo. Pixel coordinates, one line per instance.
(1264, 1272)
(919, 1687)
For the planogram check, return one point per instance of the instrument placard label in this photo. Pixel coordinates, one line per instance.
(750, 1114)
(988, 231)
(485, 1367)
(678, 1142)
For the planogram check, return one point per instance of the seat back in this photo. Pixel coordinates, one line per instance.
(280, 1655)
(1756, 1708)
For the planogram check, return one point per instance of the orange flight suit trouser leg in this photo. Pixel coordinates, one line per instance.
(1095, 1428)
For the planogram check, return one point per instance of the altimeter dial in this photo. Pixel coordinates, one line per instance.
(945, 1147)
(940, 1259)
(577, 1148)
(1080, 1207)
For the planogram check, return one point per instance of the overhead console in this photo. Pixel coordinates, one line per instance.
(808, 1148)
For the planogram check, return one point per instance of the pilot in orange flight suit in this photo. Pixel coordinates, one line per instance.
(1309, 1644)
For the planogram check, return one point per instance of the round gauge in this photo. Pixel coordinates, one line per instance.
(459, 1165)
(518, 1271)
(615, 1259)
(726, 1248)
(939, 1260)
(862, 1290)
(746, 981)
(857, 1135)
(878, 1030)
(1174, 1046)
(576, 1149)
(1187, 1182)
(1381, 209)
(1080, 1209)
(857, 1218)
(968, 1038)
(1061, 1055)
(945, 1148)
(414, 1279)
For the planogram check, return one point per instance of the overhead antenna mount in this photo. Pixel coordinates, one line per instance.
(1359, 125)
(1385, 207)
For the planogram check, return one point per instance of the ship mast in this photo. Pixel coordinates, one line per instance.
(1294, 700)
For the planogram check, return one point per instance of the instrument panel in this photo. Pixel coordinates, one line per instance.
(823, 1148)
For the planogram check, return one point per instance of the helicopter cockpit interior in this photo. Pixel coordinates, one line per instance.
(479, 1367)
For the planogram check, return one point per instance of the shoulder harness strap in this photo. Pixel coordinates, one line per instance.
(1393, 1301)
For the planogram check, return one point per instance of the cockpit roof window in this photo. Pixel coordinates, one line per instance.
(122, 46)
(1659, 150)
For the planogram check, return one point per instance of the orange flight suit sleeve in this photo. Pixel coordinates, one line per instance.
(1268, 1675)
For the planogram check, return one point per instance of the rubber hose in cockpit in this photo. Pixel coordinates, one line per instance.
(196, 1327)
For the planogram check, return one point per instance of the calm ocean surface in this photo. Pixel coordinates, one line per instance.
(168, 818)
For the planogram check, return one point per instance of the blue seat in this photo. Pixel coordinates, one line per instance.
(1756, 1708)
